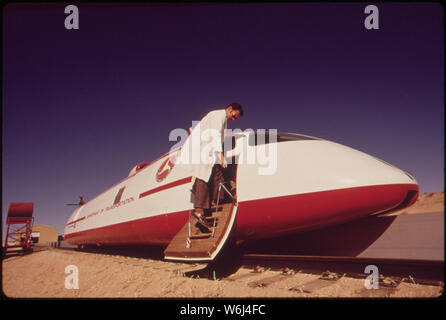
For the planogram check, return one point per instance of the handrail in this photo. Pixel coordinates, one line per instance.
(221, 184)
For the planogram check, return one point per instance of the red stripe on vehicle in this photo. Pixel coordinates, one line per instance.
(271, 217)
(158, 229)
(261, 218)
(75, 221)
(166, 186)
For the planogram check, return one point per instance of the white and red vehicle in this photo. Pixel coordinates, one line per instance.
(317, 183)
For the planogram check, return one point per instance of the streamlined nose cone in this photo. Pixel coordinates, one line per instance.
(319, 183)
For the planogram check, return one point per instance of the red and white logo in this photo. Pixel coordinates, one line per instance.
(165, 168)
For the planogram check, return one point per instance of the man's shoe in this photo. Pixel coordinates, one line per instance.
(200, 219)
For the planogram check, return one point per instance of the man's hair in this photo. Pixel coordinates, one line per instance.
(236, 106)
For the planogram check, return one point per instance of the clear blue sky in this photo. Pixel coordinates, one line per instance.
(82, 107)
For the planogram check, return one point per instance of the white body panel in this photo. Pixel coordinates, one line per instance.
(315, 165)
(100, 212)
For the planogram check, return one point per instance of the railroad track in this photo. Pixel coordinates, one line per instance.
(421, 271)
(292, 275)
(328, 270)
(410, 270)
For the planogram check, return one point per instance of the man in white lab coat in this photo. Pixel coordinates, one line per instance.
(203, 150)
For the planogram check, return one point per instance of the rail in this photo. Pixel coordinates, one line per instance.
(414, 270)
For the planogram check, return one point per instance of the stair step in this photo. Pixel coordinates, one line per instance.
(201, 236)
(200, 244)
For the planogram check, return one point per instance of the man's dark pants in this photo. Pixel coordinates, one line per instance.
(204, 192)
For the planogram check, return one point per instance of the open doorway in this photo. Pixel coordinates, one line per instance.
(230, 173)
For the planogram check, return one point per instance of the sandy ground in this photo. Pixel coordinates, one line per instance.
(426, 202)
(44, 274)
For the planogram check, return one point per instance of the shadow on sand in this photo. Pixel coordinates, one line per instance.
(348, 239)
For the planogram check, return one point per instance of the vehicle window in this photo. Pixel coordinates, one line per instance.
(264, 137)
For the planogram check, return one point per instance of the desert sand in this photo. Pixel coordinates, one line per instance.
(426, 202)
(46, 273)
(42, 274)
